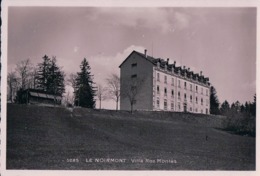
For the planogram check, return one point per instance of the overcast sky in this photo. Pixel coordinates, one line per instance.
(221, 42)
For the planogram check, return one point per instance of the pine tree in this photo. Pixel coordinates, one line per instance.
(214, 103)
(43, 73)
(225, 107)
(55, 79)
(49, 77)
(84, 93)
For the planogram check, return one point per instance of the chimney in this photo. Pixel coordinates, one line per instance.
(168, 60)
(200, 73)
(145, 52)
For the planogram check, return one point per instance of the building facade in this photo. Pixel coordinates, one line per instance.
(162, 86)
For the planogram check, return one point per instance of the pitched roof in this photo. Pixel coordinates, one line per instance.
(164, 64)
(149, 58)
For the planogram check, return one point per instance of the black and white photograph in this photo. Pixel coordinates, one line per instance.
(128, 88)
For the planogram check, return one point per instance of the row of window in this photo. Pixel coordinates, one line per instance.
(179, 95)
(179, 84)
(165, 107)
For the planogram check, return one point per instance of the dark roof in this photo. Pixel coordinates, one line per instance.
(42, 94)
(163, 64)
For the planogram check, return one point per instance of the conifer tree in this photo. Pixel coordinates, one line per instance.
(225, 107)
(43, 73)
(214, 103)
(50, 78)
(84, 90)
(55, 79)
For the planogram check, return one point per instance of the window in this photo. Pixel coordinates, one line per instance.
(196, 88)
(158, 76)
(172, 93)
(134, 65)
(191, 98)
(201, 111)
(179, 106)
(165, 92)
(190, 87)
(207, 92)
(190, 109)
(185, 96)
(196, 110)
(158, 103)
(196, 100)
(172, 106)
(201, 101)
(202, 90)
(165, 104)
(165, 79)
(179, 83)
(158, 90)
(134, 76)
(179, 95)
(173, 81)
(185, 85)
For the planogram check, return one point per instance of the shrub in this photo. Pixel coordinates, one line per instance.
(240, 123)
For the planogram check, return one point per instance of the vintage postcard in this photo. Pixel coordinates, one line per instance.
(129, 87)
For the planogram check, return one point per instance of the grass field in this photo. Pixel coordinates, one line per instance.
(83, 139)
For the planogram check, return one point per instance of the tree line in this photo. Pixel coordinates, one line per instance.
(47, 76)
(240, 118)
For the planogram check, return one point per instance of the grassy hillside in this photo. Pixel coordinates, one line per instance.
(58, 138)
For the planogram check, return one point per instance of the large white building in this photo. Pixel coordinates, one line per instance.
(162, 86)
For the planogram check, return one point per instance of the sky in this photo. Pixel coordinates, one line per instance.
(220, 42)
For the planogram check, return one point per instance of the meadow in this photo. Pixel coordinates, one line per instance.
(58, 138)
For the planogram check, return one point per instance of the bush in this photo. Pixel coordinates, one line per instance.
(240, 123)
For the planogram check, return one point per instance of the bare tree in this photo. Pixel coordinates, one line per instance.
(23, 70)
(113, 88)
(72, 80)
(32, 78)
(68, 99)
(13, 83)
(100, 94)
(130, 90)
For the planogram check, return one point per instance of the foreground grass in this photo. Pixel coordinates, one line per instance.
(55, 138)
